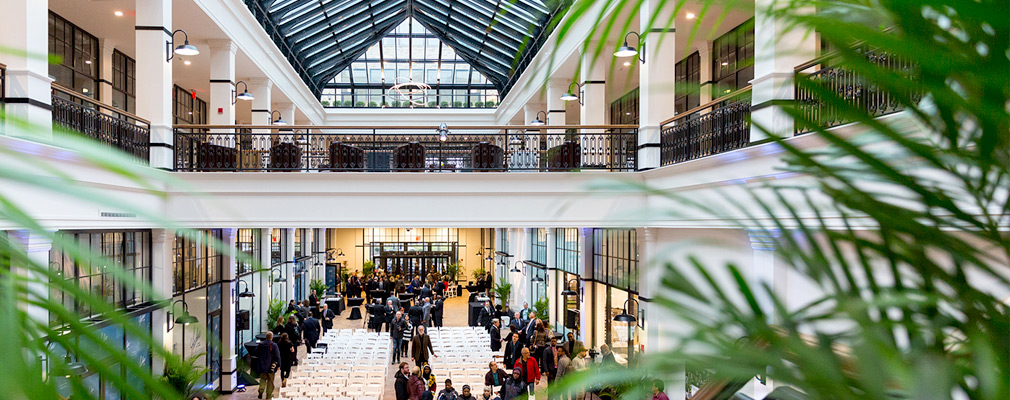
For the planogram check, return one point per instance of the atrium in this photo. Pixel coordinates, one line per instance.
(689, 199)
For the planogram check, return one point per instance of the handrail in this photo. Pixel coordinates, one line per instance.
(685, 114)
(413, 127)
(70, 92)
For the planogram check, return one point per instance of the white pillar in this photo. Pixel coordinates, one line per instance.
(221, 109)
(266, 281)
(556, 106)
(36, 246)
(705, 72)
(777, 50)
(154, 77)
(28, 106)
(229, 306)
(261, 107)
(594, 107)
(587, 309)
(661, 326)
(105, 73)
(765, 273)
(554, 277)
(657, 94)
(287, 112)
(162, 280)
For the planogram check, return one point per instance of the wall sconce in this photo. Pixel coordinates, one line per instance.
(280, 275)
(184, 49)
(246, 293)
(515, 268)
(538, 121)
(279, 120)
(245, 95)
(628, 51)
(624, 316)
(571, 95)
(184, 318)
(571, 292)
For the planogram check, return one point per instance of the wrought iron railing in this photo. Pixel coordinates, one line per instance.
(715, 127)
(3, 96)
(408, 149)
(824, 74)
(116, 128)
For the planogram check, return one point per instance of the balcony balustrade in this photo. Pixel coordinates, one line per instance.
(207, 148)
(715, 127)
(107, 125)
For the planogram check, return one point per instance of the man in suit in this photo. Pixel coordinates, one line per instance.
(495, 335)
(314, 305)
(396, 300)
(388, 312)
(420, 347)
(425, 292)
(608, 356)
(436, 310)
(426, 312)
(516, 326)
(530, 329)
(396, 327)
(311, 329)
(550, 360)
(513, 349)
(268, 361)
(484, 318)
(328, 317)
(571, 345)
(416, 314)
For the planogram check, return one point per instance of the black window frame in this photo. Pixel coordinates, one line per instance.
(124, 82)
(567, 249)
(687, 77)
(196, 264)
(79, 54)
(616, 257)
(247, 241)
(733, 59)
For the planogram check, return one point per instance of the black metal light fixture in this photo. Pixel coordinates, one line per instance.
(515, 268)
(279, 120)
(70, 368)
(574, 94)
(624, 316)
(628, 51)
(184, 318)
(537, 121)
(280, 275)
(245, 95)
(571, 292)
(184, 49)
(246, 293)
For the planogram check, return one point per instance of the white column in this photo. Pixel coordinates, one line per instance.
(266, 281)
(261, 107)
(221, 109)
(587, 309)
(105, 72)
(28, 107)
(765, 273)
(661, 326)
(777, 50)
(519, 282)
(154, 77)
(594, 107)
(162, 250)
(287, 111)
(705, 72)
(36, 246)
(556, 106)
(554, 277)
(229, 306)
(656, 80)
(289, 265)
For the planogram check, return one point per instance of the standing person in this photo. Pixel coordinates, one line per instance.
(516, 325)
(513, 350)
(436, 310)
(328, 317)
(530, 329)
(484, 318)
(514, 387)
(420, 346)
(495, 377)
(388, 313)
(278, 328)
(288, 353)
(539, 340)
(579, 362)
(310, 331)
(495, 335)
(525, 312)
(396, 328)
(426, 312)
(530, 370)
(294, 332)
(401, 382)
(415, 387)
(572, 345)
(564, 363)
(268, 361)
(314, 304)
(408, 335)
(657, 390)
(448, 393)
(416, 313)
(428, 378)
(549, 359)
(393, 299)
(425, 292)
(608, 356)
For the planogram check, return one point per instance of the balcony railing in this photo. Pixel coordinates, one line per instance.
(715, 127)
(850, 86)
(408, 149)
(113, 127)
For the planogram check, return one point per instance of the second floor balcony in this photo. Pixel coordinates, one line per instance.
(200, 148)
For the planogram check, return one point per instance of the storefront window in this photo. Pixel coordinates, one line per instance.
(197, 262)
(78, 53)
(615, 265)
(687, 73)
(567, 248)
(538, 245)
(133, 347)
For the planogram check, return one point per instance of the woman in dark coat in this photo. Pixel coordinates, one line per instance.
(288, 355)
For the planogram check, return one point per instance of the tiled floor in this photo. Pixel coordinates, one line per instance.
(455, 314)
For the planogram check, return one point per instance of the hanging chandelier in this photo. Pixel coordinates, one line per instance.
(409, 91)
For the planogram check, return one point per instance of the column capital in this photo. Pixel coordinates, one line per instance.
(260, 82)
(216, 45)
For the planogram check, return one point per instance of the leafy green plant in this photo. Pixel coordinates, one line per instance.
(502, 291)
(489, 103)
(368, 268)
(543, 310)
(457, 104)
(276, 310)
(432, 104)
(452, 271)
(478, 104)
(359, 103)
(477, 273)
(445, 104)
(348, 103)
(373, 104)
(184, 375)
(325, 103)
(318, 286)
